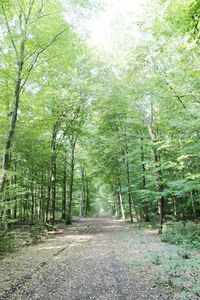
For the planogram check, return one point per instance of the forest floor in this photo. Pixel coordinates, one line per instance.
(99, 258)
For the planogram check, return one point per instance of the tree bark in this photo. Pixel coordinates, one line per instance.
(158, 173)
(64, 199)
(143, 182)
(81, 192)
(53, 173)
(126, 162)
(71, 182)
(121, 201)
(87, 198)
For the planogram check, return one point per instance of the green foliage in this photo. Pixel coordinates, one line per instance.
(182, 233)
(8, 242)
(36, 233)
(180, 276)
(185, 16)
(11, 240)
(133, 114)
(155, 259)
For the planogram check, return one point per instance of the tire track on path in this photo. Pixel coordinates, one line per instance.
(28, 277)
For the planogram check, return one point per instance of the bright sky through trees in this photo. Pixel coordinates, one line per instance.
(118, 14)
(114, 28)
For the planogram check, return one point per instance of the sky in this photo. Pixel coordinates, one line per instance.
(114, 29)
(118, 17)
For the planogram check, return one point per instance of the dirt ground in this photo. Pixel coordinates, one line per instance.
(96, 258)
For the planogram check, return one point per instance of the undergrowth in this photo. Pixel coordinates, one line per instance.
(180, 233)
(179, 274)
(12, 240)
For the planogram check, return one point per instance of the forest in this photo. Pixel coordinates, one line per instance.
(100, 123)
(85, 128)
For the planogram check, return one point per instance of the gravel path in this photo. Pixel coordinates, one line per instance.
(95, 258)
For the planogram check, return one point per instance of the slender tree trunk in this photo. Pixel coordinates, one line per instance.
(64, 198)
(192, 193)
(159, 177)
(143, 182)
(13, 122)
(32, 200)
(53, 174)
(87, 198)
(42, 200)
(193, 205)
(81, 204)
(160, 187)
(125, 153)
(48, 204)
(44, 204)
(174, 206)
(4, 179)
(71, 182)
(82, 192)
(126, 163)
(25, 208)
(121, 201)
(53, 188)
(15, 198)
(130, 196)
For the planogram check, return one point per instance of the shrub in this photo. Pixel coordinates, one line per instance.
(181, 233)
(11, 240)
(8, 241)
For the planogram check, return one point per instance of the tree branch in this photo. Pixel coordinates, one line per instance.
(38, 54)
(10, 34)
(31, 4)
(30, 55)
(177, 96)
(40, 17)
(169, 85)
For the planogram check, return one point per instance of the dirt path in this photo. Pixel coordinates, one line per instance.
(93, 259)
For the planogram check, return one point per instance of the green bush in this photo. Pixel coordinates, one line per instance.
(36, 233)
(11, 240)
(182, 233)
(8, 241)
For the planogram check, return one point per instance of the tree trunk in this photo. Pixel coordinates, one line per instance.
(126, 162)
(32, 201)
(53, 174)
(64, 198)
(174, 206)
(71, 182)
(42, 200)
(158, 173)
(15, 198)
(8, 143)
(82, 192)
(87, 198)
(121, 202)
(48, 204)
(143, 183)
